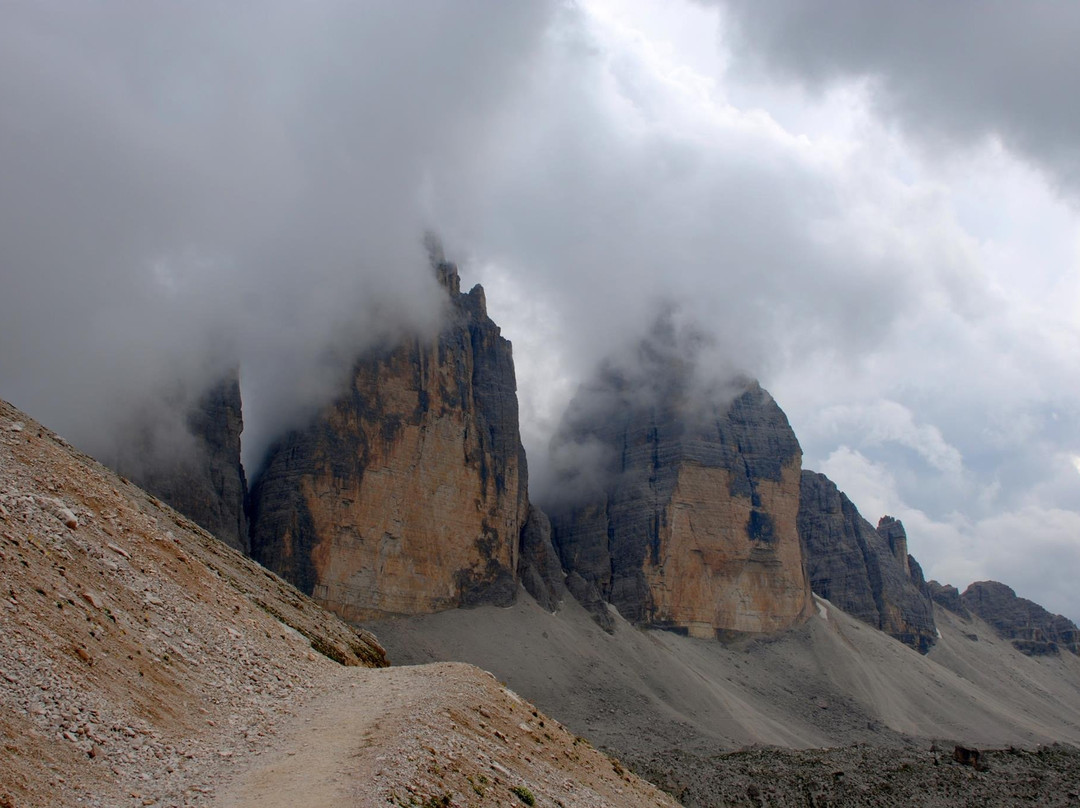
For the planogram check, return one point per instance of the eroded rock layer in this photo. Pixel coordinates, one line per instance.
(1031, 628)
(407, 494)
(866, 572)
(688, 520)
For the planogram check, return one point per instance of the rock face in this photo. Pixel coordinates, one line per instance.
(407, 494)
(687, 519)
(948, 596)
(1031, 628)
(539, 569)
(206, 482)
(866, 572)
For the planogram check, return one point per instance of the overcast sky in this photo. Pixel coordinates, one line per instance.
(871, 207)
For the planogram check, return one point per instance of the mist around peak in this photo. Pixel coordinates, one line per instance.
(675, 374)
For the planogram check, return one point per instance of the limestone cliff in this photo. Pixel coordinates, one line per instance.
(688, 520)
(204, 480)
(866, 572)
(408, 493)
(1031, 628)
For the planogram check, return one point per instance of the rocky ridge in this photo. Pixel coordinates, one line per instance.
(867, 572)
(1031, 628)
(948, 597)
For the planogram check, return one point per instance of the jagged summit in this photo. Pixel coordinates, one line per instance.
(408, 493)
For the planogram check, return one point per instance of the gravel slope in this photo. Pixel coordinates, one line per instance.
(833, 682)
(144, 663)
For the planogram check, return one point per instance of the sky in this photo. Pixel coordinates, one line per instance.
(870, 207)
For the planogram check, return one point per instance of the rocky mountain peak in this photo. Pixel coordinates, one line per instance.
(687, 520)
(892, 530)
(408, 493)
(447, 275)
(1031, 628)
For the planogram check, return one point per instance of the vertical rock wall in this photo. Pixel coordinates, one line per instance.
(205, 481)
(407, 494)
(691, 523)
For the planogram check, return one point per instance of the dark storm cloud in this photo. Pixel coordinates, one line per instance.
(949, 72)
(186, 186)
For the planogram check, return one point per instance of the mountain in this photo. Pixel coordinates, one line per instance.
(687, 520)
(1031, 628)
(408, 493)
(867, 572)
(205, 480)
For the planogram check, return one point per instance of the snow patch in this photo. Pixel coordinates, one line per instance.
(823, 612)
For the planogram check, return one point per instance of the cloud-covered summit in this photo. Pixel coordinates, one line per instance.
(190, 186)
(861, 207)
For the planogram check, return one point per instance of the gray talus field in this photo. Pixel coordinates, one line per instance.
(834, 681)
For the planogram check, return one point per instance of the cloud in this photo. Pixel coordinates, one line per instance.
(188, 187)
(869, 485)
(621, 179)
(949, 73)
(889, 422)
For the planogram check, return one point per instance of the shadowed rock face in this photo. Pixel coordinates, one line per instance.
(408, 494)
(1031, 628)
(539, 569)
(688, 523)
(866, 572)
(206, 482)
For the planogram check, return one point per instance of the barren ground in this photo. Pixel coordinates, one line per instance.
(144, 663)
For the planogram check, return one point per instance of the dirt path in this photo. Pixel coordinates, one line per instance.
(443, 734)
(324, 756)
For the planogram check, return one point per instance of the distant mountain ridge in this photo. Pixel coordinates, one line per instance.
(1031, 628)
(409, 494)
